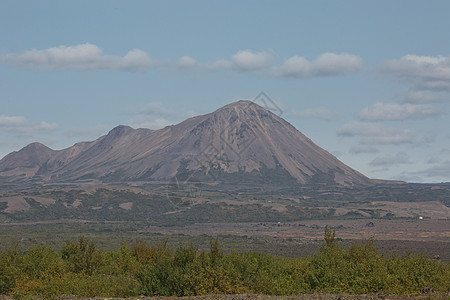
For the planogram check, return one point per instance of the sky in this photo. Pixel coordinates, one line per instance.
(369, 81)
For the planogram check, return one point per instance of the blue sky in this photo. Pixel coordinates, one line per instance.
(367, 81)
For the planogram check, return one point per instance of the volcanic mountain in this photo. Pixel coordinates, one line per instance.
(240, 142)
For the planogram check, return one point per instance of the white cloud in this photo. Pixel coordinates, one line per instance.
(89, 57)
(313, 113)
(423, 72)
(399, 158)
(424, 97)
(153, 116)
(9, 122)
(243, 60)
(21, 126)
(376, 134)
(396, 112)
(441, 172)
(220, 64)
(186, 62)
(156, 109)
(134, 61)
(82, 57)
(327, 64)
(246, 60)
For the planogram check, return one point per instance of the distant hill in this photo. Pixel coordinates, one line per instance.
(240, 143)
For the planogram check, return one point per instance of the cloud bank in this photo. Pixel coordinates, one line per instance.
(423, 72)
(439, 172)
(327, 64)
(376, 134)
(90, 57)
(154, 116)
(389, 160)
(21, 126)
(396, 112)
(84, 57)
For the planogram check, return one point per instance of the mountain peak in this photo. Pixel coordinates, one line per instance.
(36, 146)
(120, 130)
(242, 105)
(27, 160)
(241, 142)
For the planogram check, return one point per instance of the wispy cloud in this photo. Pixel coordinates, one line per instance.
(376, 134)
(357, 149)
(157, 108)
(154, 116)
(423, 72)
(396, 112)
(82, 57)
(438, 171)
(417, 97)
(220, 64)
(389, 160)
(21, 126)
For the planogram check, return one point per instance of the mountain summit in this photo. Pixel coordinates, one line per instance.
(240, 142)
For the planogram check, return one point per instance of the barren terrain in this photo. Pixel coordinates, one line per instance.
(310, 230)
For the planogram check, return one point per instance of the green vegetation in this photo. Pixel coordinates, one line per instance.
(163, 204)
(81, 269)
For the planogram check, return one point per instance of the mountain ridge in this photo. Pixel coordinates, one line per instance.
(239, 138)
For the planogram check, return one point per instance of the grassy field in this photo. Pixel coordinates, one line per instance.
(297, 239)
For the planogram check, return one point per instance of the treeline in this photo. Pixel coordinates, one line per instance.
(83, 270)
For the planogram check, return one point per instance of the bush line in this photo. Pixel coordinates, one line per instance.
(81, 269)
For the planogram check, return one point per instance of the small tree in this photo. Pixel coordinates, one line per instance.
(83, 257)
(329, 237)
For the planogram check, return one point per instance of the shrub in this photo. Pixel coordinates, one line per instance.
(9, 269)
(82, 257)
(81, 269)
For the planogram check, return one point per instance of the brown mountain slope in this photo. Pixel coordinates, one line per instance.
(26, 162)
(241, 139)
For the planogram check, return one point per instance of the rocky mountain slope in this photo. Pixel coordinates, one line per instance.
(240, 141)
